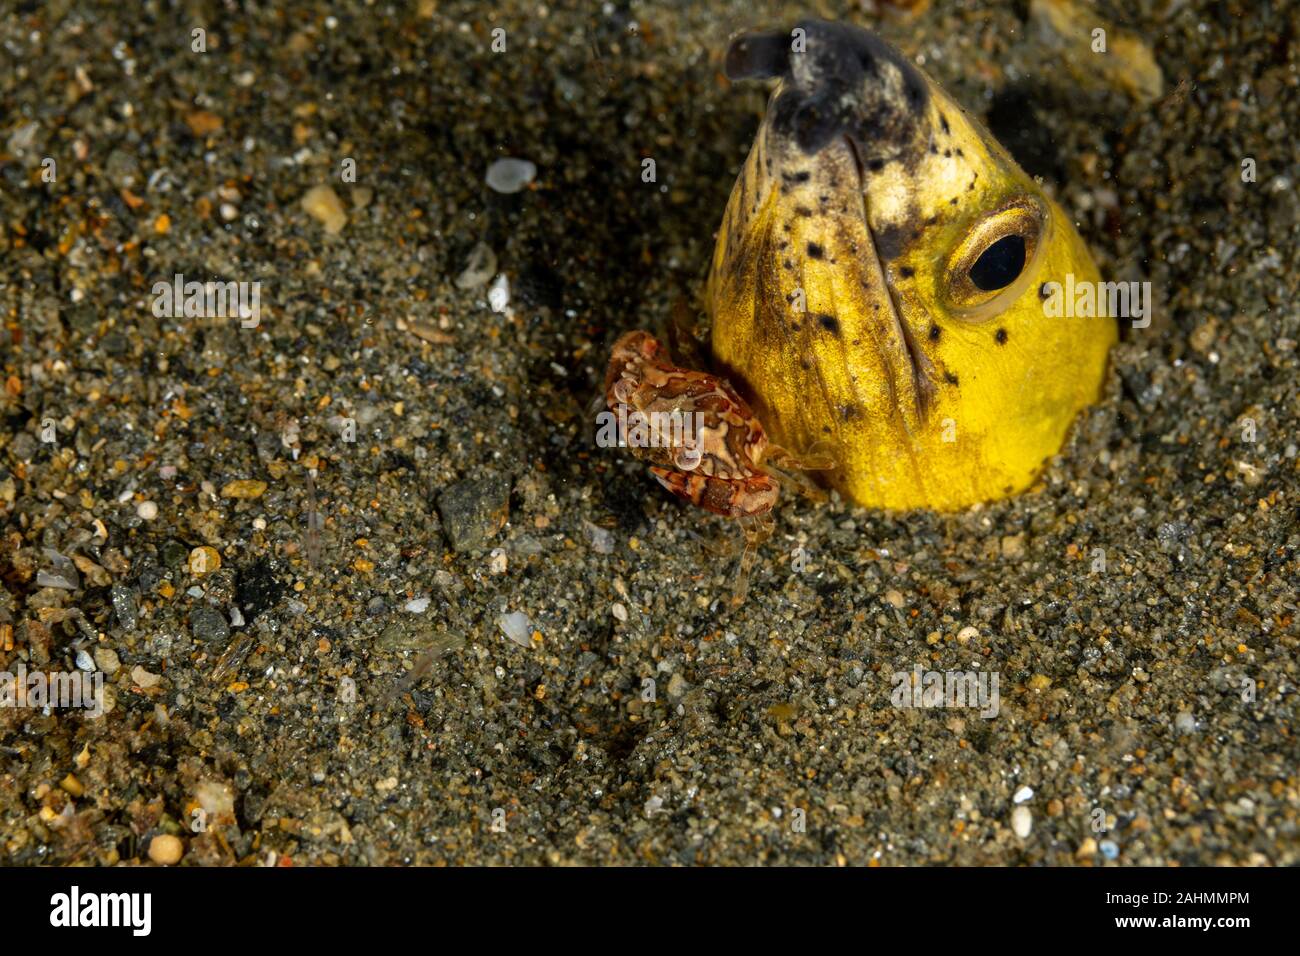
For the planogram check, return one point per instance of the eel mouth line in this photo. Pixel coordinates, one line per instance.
(919, 368)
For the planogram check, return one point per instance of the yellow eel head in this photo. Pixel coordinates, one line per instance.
(879, 281)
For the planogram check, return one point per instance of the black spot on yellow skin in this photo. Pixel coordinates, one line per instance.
(907, 272)
(934, 333)
(890, 242)
(802, 211)
(815, 251)
(1044, 292)
(943, 121)
(1001, 336)
(829, 323)
(950, 378)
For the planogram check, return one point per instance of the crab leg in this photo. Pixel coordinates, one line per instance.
(757, 529)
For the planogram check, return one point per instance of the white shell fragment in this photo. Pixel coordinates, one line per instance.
(517, 627)
(509, 175)
(482, 264)
(499, 294)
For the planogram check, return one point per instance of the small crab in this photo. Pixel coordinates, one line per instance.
(721, 460)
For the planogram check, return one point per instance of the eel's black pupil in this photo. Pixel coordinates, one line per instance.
(999, 264)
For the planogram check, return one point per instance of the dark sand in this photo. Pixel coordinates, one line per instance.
(1125, 693)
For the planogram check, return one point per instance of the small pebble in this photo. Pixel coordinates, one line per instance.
(497, 561)
(1109, 849)
(894, 598)
(61, 572)
(146, 510)
(418, 605)
(619, 611)
(323, 204)
(474, 510)
(509, 175)
(143, 678)
(601, 539)
(209, 625)
(967, 634)
(107, 660)
(216, 800)
(124, 606)
(1022, 821)
(499, 294)
(243, 488)
(165, 849)
(204, 560)
(1022, 795)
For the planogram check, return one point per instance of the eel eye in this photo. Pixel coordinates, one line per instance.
(993, 264)
(999, 265)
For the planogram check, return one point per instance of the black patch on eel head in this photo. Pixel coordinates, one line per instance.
(845, 82)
